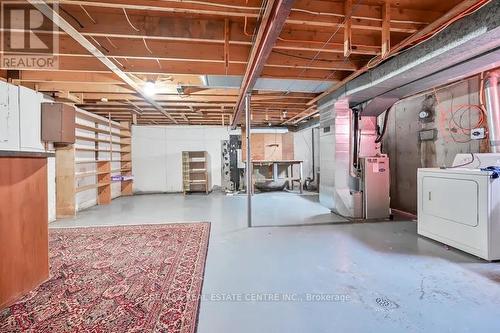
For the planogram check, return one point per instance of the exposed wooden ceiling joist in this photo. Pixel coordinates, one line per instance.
(179, 42)
(272, 22)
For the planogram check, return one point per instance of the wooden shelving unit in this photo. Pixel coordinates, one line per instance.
(196, 171)
(126, 159)
(99, 168)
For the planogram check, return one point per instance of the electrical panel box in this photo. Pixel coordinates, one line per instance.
(58, 123)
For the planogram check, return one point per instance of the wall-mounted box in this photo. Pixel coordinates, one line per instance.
(58, 123)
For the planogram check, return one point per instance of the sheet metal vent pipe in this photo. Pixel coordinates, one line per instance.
(493, 111)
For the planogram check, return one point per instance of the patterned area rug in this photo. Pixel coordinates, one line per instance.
(144, 278)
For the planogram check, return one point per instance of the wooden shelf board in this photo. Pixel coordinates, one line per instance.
(85, 188)
(99, 120)
(85, 174)
(197, 170)
(99, 130)
(84, 138)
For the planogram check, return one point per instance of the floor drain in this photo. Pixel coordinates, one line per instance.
(386, 303)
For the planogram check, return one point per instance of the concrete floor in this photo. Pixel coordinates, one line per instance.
(363, 277)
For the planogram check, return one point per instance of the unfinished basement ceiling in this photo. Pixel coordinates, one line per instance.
(178, 43)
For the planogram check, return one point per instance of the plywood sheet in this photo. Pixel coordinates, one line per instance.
(24, 262)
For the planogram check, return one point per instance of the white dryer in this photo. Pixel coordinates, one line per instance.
(460, 207)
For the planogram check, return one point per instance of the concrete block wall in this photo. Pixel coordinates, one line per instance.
(303, 142)
(407, 153)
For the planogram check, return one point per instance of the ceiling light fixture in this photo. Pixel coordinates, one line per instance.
(150, 88)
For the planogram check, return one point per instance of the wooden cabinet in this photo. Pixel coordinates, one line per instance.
(269, 146)
(24, 262)
(58, 123)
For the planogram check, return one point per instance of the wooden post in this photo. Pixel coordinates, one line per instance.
(65, 181)
(386, 28)
(347, 28)
(226, 45)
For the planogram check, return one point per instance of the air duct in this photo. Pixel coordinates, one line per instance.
(493, 111)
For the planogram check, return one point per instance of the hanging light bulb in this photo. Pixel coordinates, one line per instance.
(150, 88)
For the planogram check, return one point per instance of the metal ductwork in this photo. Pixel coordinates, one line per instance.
(345, 137)
(493, 110)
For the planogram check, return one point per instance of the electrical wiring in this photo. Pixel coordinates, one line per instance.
(72, 16)
(299, 57)
(147, 47)
(128, 20)
(430, 34)
(460, 111)
(88, 14)
(339, 26)
(100, 45)
(110, 42)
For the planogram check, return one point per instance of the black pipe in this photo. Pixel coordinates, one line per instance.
(386, 118)
(312, 149)
(355, 147)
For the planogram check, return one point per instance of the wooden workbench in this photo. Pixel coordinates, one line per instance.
(274, 164)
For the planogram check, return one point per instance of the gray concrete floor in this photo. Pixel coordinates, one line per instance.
(363, 277)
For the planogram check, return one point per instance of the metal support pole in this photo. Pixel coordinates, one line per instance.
(249, 170)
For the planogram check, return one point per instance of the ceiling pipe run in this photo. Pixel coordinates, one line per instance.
(493, 110)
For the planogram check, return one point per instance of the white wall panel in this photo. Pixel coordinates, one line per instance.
(149, 159)
(157, 150)
(9, 117)
(302, 142)
(30, 117)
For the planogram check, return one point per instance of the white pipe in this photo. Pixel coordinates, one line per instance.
(493, 111)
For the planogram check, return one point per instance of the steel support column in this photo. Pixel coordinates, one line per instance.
(249, 170)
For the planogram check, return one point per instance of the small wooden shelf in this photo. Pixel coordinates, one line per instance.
(195, 171)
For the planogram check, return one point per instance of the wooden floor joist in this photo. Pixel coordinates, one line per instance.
(108, 49)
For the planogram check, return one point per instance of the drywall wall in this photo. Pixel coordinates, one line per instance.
(407, 152)
(303, 149)
(157, 150)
